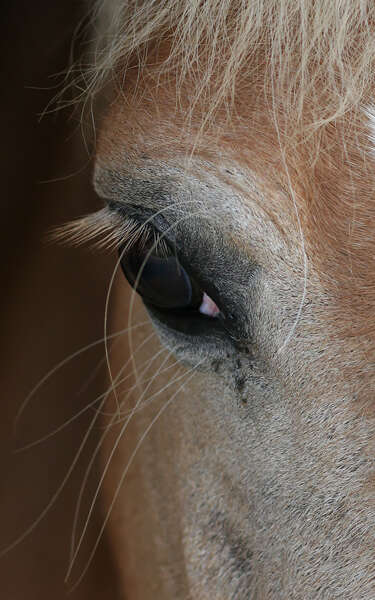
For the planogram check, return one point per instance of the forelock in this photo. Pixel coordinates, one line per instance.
(315, 58)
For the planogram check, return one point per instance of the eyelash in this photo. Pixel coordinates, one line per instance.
(107, 229)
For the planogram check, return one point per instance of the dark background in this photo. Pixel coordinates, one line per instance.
(52, 303)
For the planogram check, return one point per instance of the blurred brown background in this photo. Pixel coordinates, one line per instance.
(52, 304)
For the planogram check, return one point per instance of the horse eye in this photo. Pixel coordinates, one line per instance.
(163, 282)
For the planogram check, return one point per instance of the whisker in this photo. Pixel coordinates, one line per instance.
(55, 496)
(110, 286)
(130, 374)
(139, 275)
(75, 416)
(132, 359)
(149, 400)
(94, 455)
(105, 470)
(105, 331)
(123, 476)
(61, 364)
(106, 308)
(67, 422)
(155, 394)
(61, 427)
(300, 233)
(128, 392)
(95, 371)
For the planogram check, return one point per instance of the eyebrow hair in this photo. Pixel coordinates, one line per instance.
(113, 186)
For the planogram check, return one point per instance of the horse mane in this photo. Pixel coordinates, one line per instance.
(317, 56)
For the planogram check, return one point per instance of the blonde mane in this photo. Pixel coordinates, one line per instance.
(318, 55)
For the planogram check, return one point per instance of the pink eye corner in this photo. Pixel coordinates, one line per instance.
(208, 307)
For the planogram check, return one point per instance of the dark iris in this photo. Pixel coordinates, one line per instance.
(161, 281)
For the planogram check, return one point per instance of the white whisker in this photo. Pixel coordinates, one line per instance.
(105, 470)
(191, 373)
(61, 364)
(57, 493)
(94, 455)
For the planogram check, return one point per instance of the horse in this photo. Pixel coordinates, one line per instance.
(235, 157)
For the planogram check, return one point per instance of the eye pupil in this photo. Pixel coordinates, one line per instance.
(161, 281)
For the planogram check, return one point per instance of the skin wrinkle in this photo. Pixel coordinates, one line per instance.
(278, 444)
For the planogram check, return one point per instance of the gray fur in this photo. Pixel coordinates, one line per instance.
(264, 491)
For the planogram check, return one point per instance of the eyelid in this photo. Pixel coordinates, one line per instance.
(158, 225)
(145, 217)
(126, 228)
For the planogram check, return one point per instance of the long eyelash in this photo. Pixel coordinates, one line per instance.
(106, 229)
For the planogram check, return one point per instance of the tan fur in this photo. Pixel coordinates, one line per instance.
(287, 467)
(227, 40)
